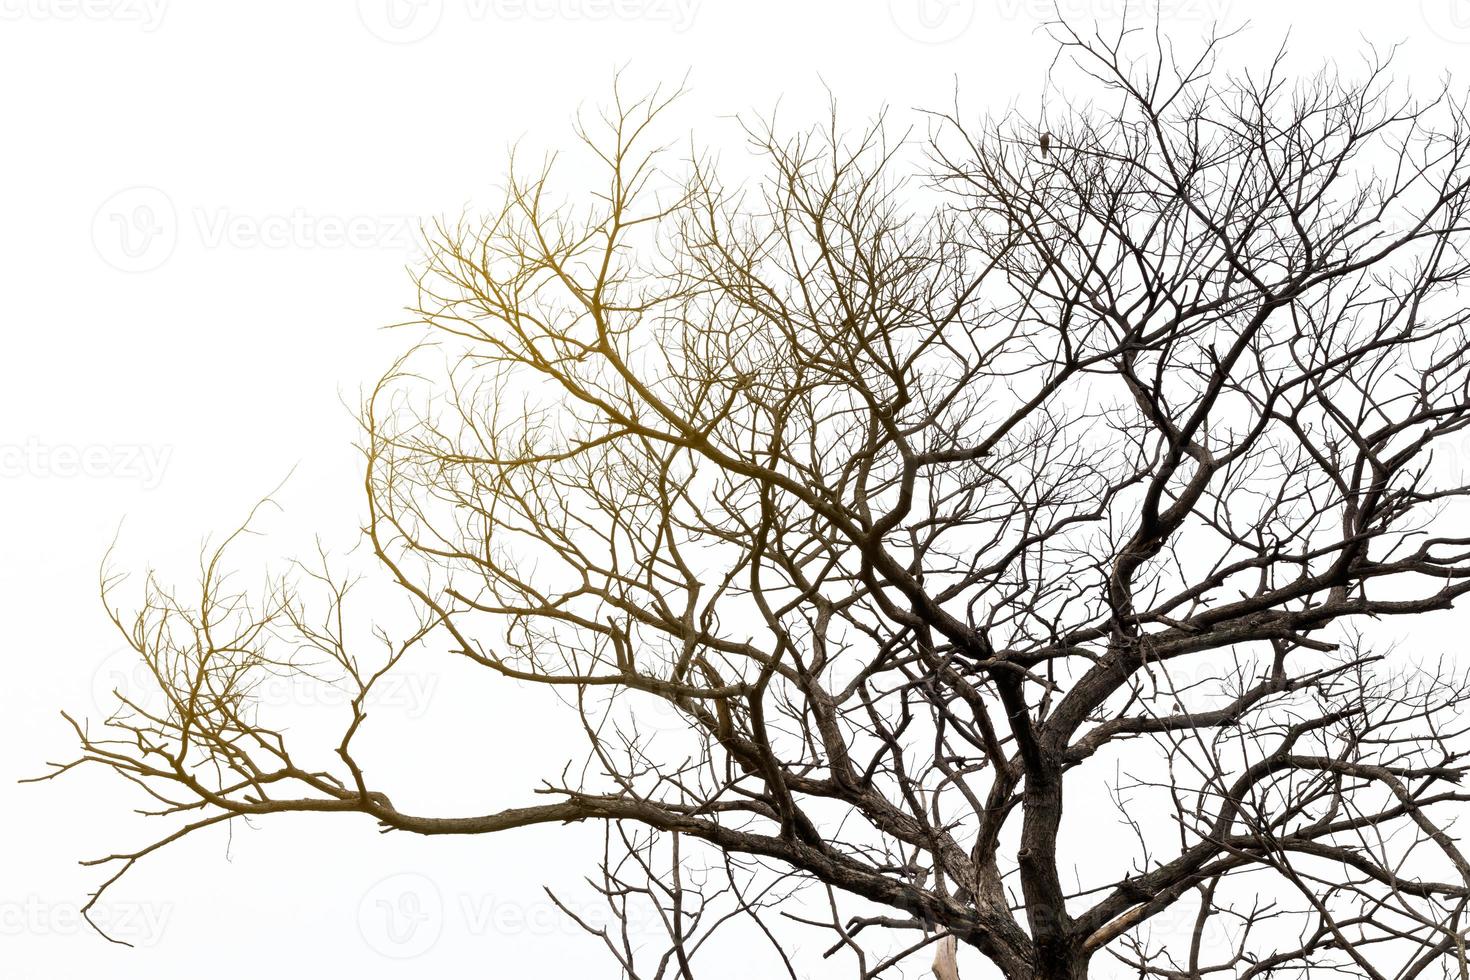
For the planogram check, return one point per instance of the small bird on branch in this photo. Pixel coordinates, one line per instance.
(1046, 144)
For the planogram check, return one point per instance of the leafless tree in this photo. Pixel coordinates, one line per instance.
(947, 496)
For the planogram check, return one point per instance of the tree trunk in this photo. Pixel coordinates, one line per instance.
(1076, 970)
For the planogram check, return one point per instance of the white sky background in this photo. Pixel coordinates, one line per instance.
(176, 379)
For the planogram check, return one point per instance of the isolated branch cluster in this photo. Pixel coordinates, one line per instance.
(908, 518)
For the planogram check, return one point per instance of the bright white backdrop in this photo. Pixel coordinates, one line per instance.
(205, 213)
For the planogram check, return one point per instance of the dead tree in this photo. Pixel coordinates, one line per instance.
(936, 493)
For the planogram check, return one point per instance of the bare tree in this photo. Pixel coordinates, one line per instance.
(943, 488)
